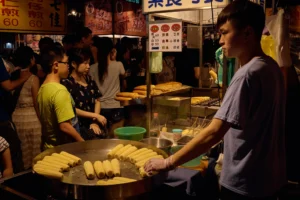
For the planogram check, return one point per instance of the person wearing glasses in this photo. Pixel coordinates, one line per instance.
(85, 93)
(56, 105)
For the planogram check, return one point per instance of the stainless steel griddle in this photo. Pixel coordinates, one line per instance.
(74, 183)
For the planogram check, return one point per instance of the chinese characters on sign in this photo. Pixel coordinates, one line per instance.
(54, 16)
(165, 36)
(129, 19)
(34, 13)
(9, 13)
(98, 16)
(171, 5)
(32, 16)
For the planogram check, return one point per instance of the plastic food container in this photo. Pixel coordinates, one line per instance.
(177, 134)
(130, 133)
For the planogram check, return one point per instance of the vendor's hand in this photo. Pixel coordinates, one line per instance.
(8, 172)
(158, 164)
(95, 128)
(101, 119)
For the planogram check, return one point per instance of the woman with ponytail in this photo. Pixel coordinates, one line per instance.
(107, 73)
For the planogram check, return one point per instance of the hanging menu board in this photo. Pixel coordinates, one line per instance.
(98, 17)
(165, 36)
(38, 16)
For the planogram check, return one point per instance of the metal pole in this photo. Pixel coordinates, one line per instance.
(201, 46)
(18, 42)
(273, 7)
(113, 20)
(149, 99)
(148, 82)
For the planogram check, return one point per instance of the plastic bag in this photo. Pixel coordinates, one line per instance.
(156, 62)
(278, 28)
(268, 46)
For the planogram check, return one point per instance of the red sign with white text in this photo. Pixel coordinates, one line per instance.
(98, 17)
(129, 19)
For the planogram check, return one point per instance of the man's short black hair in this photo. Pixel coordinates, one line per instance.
(69, 39)
(243, 13)
(45, 43)
(49, 56)
(82, 32)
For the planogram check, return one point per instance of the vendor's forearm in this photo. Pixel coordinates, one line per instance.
(201, 143)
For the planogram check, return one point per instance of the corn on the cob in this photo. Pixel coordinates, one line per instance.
(89, 170)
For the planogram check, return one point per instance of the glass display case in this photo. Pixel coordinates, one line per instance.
(179, 110)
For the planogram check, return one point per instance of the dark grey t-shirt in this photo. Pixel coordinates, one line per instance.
(254, 148)
(111, 84)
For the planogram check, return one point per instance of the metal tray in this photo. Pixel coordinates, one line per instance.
(203, 111)
(141, 101)
(182, 89)
(211, 102)
(75, 182)
(168, 101)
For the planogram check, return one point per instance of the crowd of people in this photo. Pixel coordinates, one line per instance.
(63, 94)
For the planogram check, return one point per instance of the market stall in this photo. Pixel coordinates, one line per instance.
(179, 107)
(174, 98)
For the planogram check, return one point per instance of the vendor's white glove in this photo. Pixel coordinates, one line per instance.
(158, 164)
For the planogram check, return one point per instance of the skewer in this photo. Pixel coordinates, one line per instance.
(203, 122)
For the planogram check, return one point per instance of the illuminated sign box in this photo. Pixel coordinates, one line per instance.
(38, 16)
(152, 6)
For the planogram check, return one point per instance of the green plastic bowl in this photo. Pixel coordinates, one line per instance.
(192, 163)
(130, 133)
